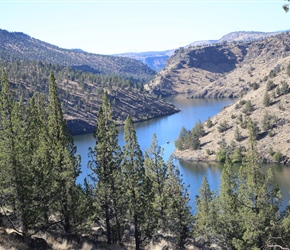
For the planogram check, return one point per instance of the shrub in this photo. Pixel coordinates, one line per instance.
(237, 134)
(267, 122)
(278, 157)
(221, 155)
(281, 107)
(278, 91)
(288, 69)
(223, 126)
(209, 123)
(237, 156)
(272, 73)
(248, 108)
(208, 152)
(255, 86)
(284, 88)
(270, 133)
(242, 102)
(270, 151)
(270, 85)
(266, 99)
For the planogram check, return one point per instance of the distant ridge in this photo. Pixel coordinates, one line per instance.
(156, 60)
(77, 50)
(19, 46)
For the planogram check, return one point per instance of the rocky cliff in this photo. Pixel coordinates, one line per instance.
(221, 70)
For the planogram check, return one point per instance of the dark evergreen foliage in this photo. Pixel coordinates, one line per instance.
(39, 167)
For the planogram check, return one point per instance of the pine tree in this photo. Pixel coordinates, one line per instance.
(12, 196)
(106, 167)
(259, 200)
(35, 134)
(156, 171)
(205, 212)
(63, 164)
(179, 216)
(182, 142)
(18, 173)
(228, 223)
(135, 182)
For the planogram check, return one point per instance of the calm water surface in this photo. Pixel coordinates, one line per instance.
(167, 130)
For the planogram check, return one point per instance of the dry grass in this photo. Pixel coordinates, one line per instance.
(279, 141)
(253, 64)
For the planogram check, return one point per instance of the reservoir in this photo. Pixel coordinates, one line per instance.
(167, 130)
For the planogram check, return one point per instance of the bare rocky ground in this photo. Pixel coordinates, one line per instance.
(10, 240)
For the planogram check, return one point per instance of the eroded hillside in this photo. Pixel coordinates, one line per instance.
(222, 70)
(81, 93)
(267, 104)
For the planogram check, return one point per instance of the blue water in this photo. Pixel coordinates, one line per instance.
(167, 130)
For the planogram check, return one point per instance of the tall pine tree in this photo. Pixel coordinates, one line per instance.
(157, 172)
(205, 211)
(106, 167)
(62, 161)
(259, 200)
(178, 214)
(135, 182)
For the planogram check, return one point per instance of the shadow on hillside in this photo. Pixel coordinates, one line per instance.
(262, 135)
(213, 59)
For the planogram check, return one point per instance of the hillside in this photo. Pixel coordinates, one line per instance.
(81, 93)
(221, 70)
(267, 104)
(19, 46)
(156, 60)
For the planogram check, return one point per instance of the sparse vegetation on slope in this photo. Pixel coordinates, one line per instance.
(269, 111)
(222, 70)
(19, 46)
(81, 93)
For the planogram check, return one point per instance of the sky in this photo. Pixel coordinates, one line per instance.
(120, 26)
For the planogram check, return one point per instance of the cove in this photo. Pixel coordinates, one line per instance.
(167, 130)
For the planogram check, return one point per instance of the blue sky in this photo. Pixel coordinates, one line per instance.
(108, 27)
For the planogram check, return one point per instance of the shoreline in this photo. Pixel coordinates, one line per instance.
(81, 127)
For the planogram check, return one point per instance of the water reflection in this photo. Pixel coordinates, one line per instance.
(194, 172)
(167, 129)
